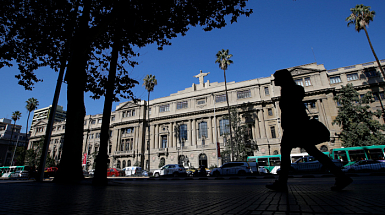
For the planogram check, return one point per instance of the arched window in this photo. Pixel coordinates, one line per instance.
(203, 159)
(162, 162)
(324, 148)
(124, 164)
(118, 165)
(275, 152)
(129, 163)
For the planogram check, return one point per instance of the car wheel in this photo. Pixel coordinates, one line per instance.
(240, 173)
(156, 175)
(176, 174)
(216, 174)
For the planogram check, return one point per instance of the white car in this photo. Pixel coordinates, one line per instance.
(232, 168)
(170, 169)
(133, 171)
(365, 165)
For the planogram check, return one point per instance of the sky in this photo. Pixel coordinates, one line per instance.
(279, 34)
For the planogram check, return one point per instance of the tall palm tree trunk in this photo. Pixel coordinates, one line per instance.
(374, 53)
(26, 129)
(148, 127)
(228, 109)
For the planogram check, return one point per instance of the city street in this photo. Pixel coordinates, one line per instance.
(308, 194)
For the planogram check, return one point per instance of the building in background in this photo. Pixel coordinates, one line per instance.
(192, 111)
(8, 142)
(43, 114)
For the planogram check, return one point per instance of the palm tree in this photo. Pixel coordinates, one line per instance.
(15, 116)
(32, 104)
(223, 58)
(149, 83)
(360, 18)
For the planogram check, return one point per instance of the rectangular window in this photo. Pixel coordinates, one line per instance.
(202, 129)
(93, 122)
(182, 132)
(270, 111)
(272, 129)
(352, 77)
(307, 81)
(112, 118)
(181, 105)
(164, 141)
(371, 73)
(299, 82)
(224, 127)
(99, 121)
(335, 80)
(243, 94)
(220, 98)
(164, 108)
(267, 91)
(201, 101)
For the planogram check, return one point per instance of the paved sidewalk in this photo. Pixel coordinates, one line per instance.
(231, 195)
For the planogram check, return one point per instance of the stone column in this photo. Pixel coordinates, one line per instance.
(189, 129)
(262, 124)
(194, 133)
(171, 133)
(210, 131)
(156, 136)
(152, 139)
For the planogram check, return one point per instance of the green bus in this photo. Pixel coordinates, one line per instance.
(7, 171)
(351, 155)
(273, 162)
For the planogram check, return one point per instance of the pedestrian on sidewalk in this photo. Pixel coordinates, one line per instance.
(295, 125)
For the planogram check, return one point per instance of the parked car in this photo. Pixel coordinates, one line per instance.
(170, 169)
(365, 165)
(198, 172)
(309, 163)
(86, 173)
(190, 172)
(91, 173)
(132, 171)
(232, 168)
(113, 172)
(50, 171)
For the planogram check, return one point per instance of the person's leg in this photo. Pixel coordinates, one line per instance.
(281, 183)
(285, 162)
(324, 160)
(342, 180)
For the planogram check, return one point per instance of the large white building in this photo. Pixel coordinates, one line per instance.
(192, 109)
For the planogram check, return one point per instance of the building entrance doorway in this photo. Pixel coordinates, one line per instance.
(203, 159)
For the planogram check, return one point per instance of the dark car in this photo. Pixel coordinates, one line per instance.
(113, 172)
(50, 171)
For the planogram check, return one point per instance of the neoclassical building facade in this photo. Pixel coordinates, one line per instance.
(185, 126)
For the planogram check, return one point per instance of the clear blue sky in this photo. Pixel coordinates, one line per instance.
(279, 34)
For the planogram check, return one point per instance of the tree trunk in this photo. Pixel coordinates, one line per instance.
(100, 177)
(148, 126)
(70, 168)
(228, 109)
(374, 53)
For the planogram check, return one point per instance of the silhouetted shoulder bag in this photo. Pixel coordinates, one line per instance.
(317, 132)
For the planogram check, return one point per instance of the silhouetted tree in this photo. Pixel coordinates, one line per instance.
(52, 33)
(359, 124)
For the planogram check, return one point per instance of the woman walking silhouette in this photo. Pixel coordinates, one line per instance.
(294, 120)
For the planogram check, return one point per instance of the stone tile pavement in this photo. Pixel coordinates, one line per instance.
(232, 195)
